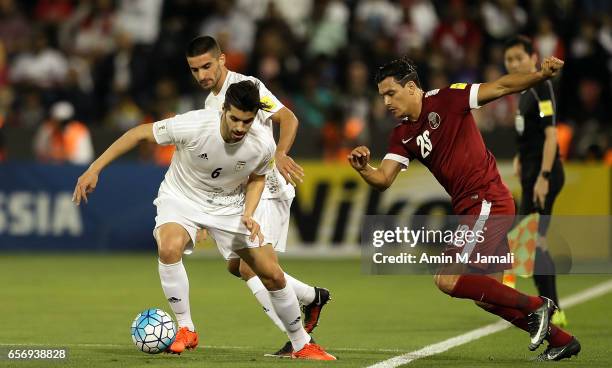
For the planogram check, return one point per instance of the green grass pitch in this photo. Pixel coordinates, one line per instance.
(87, 303)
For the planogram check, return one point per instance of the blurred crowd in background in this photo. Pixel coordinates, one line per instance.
(69, 68)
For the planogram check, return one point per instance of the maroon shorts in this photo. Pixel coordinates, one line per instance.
(487, 251)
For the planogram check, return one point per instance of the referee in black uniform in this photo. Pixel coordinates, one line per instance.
(537, 162)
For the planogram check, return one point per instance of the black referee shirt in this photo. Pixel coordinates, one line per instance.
(536, 111)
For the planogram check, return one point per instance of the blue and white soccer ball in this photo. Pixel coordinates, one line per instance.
(153, 331)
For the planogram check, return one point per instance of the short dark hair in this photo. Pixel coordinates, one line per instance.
(244, 96)
(201, 45)
(402, 70)
(518, 41)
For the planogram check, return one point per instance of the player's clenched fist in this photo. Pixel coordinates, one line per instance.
(551, 66)
(85, 185)
(359, 158)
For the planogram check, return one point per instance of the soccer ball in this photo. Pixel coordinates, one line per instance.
(153, 331)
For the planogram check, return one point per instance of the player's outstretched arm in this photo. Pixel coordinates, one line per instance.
(380, 178)
(516, 82)
(254, 188)
(288, 168)
(88, 181)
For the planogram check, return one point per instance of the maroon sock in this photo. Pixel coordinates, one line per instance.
(514, 316)
(485, 289)
(556, 337)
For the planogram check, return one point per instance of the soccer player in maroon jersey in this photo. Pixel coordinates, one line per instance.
(438, 129)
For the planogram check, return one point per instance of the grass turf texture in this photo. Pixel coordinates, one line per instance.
(87, 303)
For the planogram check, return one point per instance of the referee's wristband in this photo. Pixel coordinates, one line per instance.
(545, 174)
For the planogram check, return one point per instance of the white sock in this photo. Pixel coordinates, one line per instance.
(263, 297)
(175, 283)
(288, 310)
(304, 292)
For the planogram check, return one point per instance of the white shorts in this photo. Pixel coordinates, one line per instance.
(229, 232)
(272, 215)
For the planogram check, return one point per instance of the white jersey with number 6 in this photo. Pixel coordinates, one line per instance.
(206, 171)
(276, 185)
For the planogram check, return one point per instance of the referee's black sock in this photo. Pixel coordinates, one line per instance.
(544, 275)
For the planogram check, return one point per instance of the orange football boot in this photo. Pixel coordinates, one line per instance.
(185, 339)
(313, 352)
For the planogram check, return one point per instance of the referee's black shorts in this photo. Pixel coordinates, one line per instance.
(529, 174)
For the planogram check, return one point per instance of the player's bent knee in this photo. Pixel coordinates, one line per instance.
(446, 283)
(169, 255)
(274, 281)
(170, 248)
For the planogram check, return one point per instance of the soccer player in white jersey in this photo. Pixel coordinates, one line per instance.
(215, 181)
(207, 64)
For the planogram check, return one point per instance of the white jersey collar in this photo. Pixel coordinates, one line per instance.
(226, 84)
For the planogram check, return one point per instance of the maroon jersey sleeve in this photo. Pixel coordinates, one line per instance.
(461, 97)
(397, 150)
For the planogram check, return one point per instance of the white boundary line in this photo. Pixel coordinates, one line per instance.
(429, 350)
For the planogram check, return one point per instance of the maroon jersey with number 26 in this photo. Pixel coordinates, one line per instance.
(446, 140)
